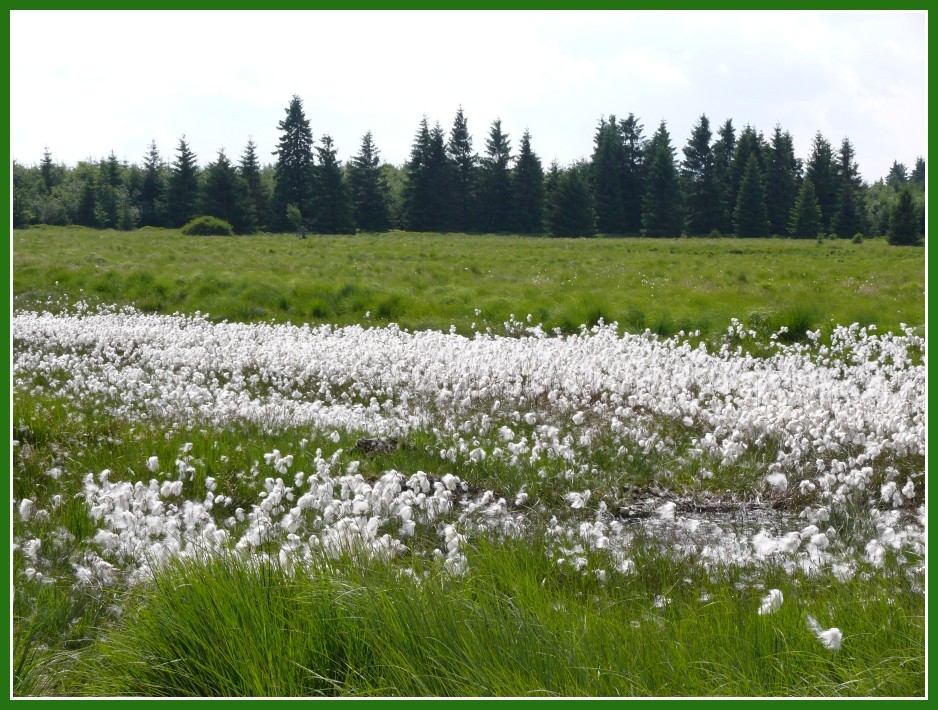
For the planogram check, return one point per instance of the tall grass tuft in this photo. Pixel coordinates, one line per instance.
(517, 624)
(798, 318)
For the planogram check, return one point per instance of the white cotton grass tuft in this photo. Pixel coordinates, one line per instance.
(576, 499)
(778, 481)
(829, 638)
(26, 508)
(666, 511)
(772, 602)
(153, 463)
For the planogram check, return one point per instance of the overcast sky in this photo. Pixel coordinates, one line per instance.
(85, 83)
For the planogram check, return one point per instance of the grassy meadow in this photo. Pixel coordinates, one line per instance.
(540, 556)
(434, 281)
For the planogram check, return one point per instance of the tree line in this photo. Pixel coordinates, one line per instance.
(728, 183)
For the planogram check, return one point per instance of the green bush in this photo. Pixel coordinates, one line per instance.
(208, 227)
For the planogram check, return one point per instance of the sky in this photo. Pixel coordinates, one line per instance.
(85, 83)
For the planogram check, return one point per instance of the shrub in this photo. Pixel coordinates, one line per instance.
(208, 227)
(857, 238)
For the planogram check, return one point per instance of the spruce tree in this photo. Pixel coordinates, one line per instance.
(662, 214)
(151, 189)
(551, 179)
(440, 174)
(724, 147)
(294, 166)
(225, 194)
(633, 174)
(805, 220)
(333, 208)
(917, 177)
(428, 191)
(898, 175)
(128, 214)
(848, 212)
(822, 172)
(607, 176)
(20, 199)
(700, 186)
(182, 193)
(50, 174)
(418, 183)
(86, 214)
(903, 227)
(495, 197)
(781, 180)
(369, 189)
(257, 200)
(751, 218)
(749, 144)
(528, 190)
(108, 199)
(465, 174)
(571, 213)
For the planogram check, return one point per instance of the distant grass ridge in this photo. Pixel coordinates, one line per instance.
(474, 282)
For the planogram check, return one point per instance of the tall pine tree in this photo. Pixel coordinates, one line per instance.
(294, 167)
(495, 192)
(528, 190)
(917, 177)
(898, 175)
(428, 190)
(847, 219)
(333, 208)
(151, 189)
(551, 180)
(903, 227)
(633, 174)
(571, 211)
(662, 214)
(369, 189)
(805, 220)
(607, 177)
(698, 171)
(86, 214)
(182, 192)
(416, 201)
(51, 175)
(749, 144)
(783, 172)
(225, 193)
(821, 170)
(257, 207)
(751, 219)
(465, 174)
(724, 148)
(108, 199)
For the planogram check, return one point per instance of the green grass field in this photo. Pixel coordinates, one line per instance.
(435, 281)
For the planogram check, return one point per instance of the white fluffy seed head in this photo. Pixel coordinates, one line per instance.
(771, 602)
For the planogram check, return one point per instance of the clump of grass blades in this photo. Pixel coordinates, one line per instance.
(226, 627)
